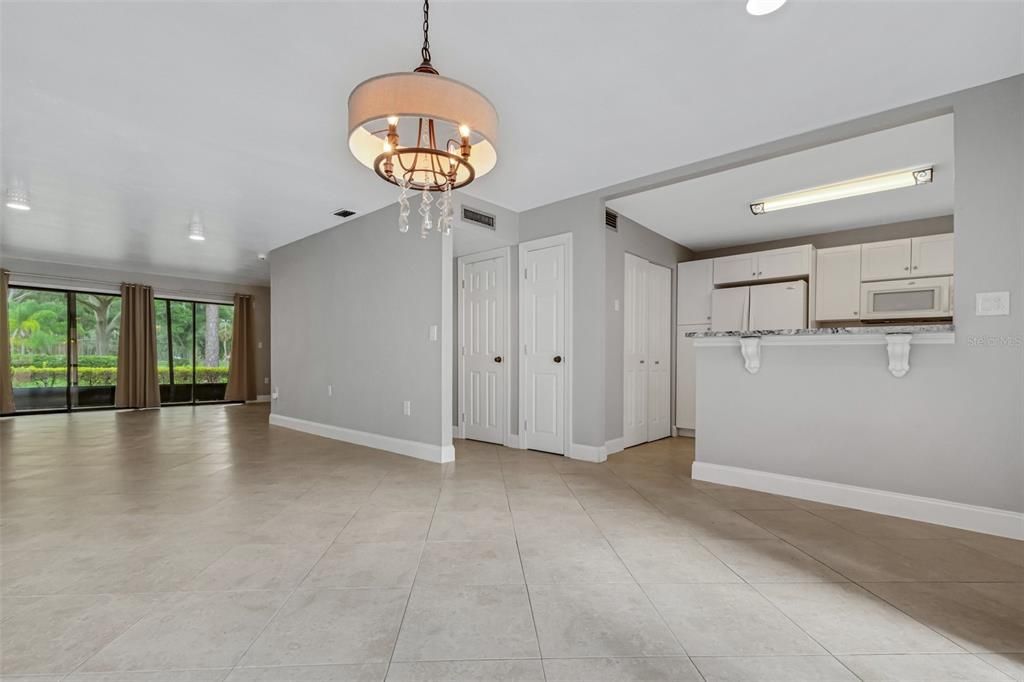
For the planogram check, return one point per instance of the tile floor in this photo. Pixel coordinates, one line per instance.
(201, 545)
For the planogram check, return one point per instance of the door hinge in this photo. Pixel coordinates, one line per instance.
(463, 284)
(524, 426)
(525, 275)
(463, 417)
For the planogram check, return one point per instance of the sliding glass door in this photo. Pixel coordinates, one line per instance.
(194, 348)
(63, 348)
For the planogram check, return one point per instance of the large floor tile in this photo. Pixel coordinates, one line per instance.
(667, 668)
(214, 675)
(354, 672)
(926, 668)
(728, 620)
(773, 669)
(1009, 663)
(331, 627)
(672, 560)
(258, 567)
(153, 567)
(371, 524)
(982, 618)
(770, 561)
(470, 526)
(957, 562)
(538, 525)
(470, 563)
(882, 526)
(208, 630)
(59, 633)
(706, 523)
(571, 560)
(846, 619)
(798, 524)
(599, 620)
(467, 623)
(365, 564)
(467, 671)
(865, 560)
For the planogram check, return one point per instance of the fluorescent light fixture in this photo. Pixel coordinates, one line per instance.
(196, 229)
(761, 7)
(842, 190)
(17, 198)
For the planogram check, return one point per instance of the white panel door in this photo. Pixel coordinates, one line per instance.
(729, 309)
(686, 376)
(932, 255)
(741, 268)
(885, 260)
(837, 283)
(659, 352)
(635, 348)
(693, 287)
(543, 333)
(484, 350)
(778, 306)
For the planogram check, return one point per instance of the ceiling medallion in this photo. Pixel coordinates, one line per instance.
(452, 128)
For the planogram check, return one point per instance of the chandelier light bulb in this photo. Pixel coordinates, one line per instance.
(17, 198)
(464, 130)
(196, 229)
(759, 8)
(392, 120)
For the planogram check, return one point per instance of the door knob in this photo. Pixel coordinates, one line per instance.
(497, 359)
(657, 362)
(642, 361)
(558, 358)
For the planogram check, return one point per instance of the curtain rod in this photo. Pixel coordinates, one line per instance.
(117, 285)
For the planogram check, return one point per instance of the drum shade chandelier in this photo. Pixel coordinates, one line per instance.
(451, 127)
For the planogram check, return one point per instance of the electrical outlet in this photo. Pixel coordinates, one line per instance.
(992, 303)
(433, 332)
(266, 380)
(330, 390)
(407, 408)
(616, 305)
(275, 393)
(259, 344)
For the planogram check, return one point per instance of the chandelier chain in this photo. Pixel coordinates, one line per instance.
(425, 51)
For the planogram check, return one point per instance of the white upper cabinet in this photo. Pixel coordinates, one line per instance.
(885, 260)
(785, 263)
(693, 292)
(901, 258)
(793, 261)
(837, 283)
(931, 255)
(741, 268)
(778, 306)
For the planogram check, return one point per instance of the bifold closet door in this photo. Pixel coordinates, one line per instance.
(659, 352)
(634, 380)
(647, 352)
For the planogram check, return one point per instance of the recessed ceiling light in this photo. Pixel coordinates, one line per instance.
(17, 198)
(196, 229)
(761, 7)
(842, 190)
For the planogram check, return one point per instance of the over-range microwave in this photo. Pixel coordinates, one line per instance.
(900, 299)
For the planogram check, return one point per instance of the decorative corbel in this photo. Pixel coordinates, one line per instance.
(750, 346)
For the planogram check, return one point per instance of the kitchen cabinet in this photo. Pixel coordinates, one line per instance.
(686, 376)
(729, 309)
(741, 268)
(885, 260)
(693, 292)
(786, 263)
(837, 283)
(778, 306)
(901, 258)
(931, 255)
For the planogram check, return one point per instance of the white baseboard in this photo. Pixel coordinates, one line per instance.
(410, 448)
(512, 441)
(614, 445)
(587, 453)
(685, 433)
(928, 509)
(261, 399)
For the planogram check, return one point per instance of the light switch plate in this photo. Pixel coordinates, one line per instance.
(433, 332)
(407, 408)
(992, 303)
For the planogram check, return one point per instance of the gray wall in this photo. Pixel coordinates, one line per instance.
(352, 307)
(636, 239)
(860, 235)
(952, 428)
(583, 216)
(62, 275)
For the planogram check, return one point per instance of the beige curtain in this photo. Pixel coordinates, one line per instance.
(242, 367)
(6, 384)
(138, 383)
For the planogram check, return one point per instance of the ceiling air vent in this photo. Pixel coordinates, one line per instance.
(611, 220)
(344, 213)
(471, 215)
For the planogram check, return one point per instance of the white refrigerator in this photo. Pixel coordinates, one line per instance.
(762, 307)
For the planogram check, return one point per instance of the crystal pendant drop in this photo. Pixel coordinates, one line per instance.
(428, 224)
(403, 206)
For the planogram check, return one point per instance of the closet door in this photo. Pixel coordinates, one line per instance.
(659, 352)
(635, 348)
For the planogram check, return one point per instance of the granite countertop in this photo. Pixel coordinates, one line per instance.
(828, 331)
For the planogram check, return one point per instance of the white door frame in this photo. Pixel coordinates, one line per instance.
(505, 254)
(564, 239)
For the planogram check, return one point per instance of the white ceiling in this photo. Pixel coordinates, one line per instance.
(126, 117)
(714, 211)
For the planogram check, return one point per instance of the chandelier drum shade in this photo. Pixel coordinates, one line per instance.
(424, 133)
